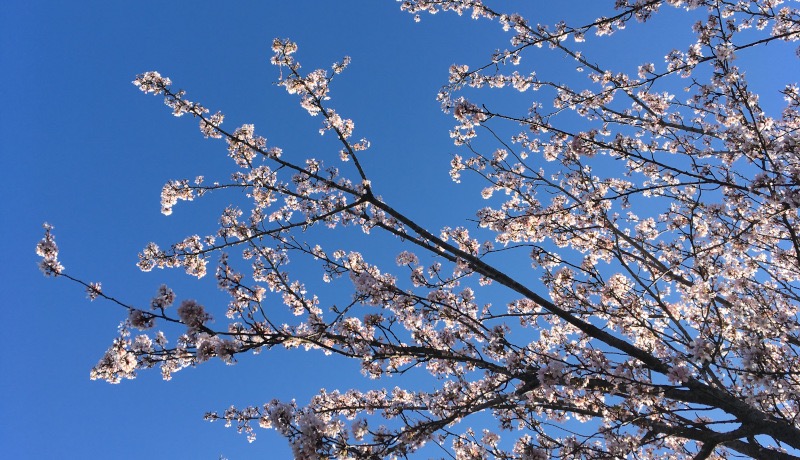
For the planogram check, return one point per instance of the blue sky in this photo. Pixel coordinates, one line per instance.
(83, 149)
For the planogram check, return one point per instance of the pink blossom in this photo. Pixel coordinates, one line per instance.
(193, 315)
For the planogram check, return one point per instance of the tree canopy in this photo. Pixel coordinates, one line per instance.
(627, 287)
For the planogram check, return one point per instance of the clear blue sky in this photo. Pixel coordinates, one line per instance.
(84, 150)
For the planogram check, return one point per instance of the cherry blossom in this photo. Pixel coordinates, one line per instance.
(659, 317)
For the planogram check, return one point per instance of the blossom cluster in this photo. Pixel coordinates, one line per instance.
(48, 251)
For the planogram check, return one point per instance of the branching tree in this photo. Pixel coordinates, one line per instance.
(659, 319)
